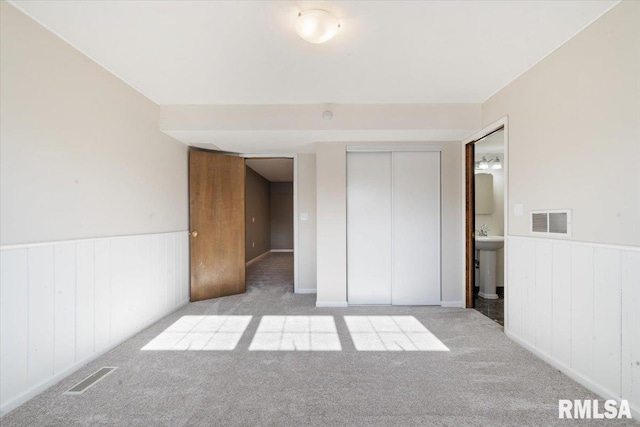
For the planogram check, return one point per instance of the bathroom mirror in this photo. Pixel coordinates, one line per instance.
(484, 193)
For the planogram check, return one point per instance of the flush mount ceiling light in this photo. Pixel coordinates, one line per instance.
(316, 26)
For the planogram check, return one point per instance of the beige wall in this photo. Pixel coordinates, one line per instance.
(306, 245)
(257, 215)
(281, 215)
(574, 131)
(574, 142)
(81, 154)
(331, 207)
(332, 222)
(452, 237)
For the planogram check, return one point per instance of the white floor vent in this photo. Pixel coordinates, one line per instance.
(556, 222)
(83, 385)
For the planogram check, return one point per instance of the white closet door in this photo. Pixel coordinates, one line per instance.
(369, 228)
(416, 228)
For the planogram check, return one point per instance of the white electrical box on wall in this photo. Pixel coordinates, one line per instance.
(551, 222)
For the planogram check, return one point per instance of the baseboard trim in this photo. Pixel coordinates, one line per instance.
(248, 263)
(455, 304)
(306, 291)
(281, 250)
(568, 371)
(49, 382)
(321, 304)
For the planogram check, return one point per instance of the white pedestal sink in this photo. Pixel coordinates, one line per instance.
(487, 246)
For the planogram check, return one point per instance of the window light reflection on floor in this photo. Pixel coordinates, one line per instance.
(296, 333)
(201, 333)
(391, 333)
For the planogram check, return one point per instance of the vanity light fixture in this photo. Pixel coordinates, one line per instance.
(316, 26)
(484, 164)
(496, 163)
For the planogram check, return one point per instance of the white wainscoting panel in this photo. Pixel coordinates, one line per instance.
(14, 322)
(41, 314)
(631, 328)
(607, 320)
(561, 300)
(102, 293)
(581, 309)
(64, 350)
(85, 300)
(525, 275)
(63, 304)
(575, 304)
(543, 292)
(514, 294)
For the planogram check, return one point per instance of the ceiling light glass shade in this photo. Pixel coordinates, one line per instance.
(496, 163)
(484, 164)
(316, 26)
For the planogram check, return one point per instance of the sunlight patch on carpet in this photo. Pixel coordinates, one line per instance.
(391, 333)
(296, 333)
(207, 333)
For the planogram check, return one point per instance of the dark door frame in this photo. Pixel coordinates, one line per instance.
(470, 223)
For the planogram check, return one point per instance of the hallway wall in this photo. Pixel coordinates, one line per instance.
(257, 215)
(281, 215)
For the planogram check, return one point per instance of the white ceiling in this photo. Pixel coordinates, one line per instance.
(247, 52)
(274, 170)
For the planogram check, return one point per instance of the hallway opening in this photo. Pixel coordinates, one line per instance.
(269, 218)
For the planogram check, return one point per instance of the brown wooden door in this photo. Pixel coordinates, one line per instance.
(217, 224)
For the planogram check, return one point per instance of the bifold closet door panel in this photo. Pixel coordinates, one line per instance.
(416, 228)
(369, 228)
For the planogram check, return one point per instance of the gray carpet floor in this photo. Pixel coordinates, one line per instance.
(484, 380)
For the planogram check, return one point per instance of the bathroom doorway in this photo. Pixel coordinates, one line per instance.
(485, 182)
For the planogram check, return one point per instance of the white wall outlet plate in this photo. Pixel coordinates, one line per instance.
(304, 216)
